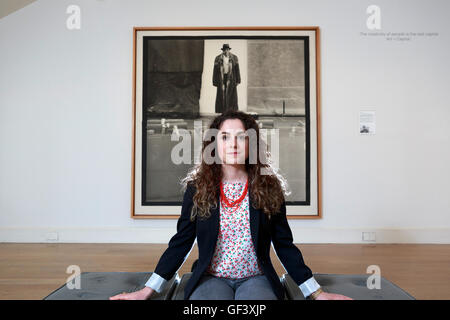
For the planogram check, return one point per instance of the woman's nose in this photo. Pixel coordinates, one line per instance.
(234, 142)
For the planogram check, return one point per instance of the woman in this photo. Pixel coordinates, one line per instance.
(234, 205)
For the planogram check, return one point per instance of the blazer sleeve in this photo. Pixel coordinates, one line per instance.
(289, 255)
(181, 243)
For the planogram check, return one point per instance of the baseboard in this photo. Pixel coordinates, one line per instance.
(163, 235)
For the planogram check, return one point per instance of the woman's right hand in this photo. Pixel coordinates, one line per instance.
(142, 294)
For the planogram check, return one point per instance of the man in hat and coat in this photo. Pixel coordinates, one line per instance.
(226, 77)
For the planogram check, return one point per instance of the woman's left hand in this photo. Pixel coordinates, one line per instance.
(332, 296)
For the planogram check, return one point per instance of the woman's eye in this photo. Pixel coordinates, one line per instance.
(241, 138)
(224, 138)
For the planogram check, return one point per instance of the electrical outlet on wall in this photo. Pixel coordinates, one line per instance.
(369, 236)
(51, 236)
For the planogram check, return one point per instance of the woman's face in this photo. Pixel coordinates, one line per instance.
(232, 142)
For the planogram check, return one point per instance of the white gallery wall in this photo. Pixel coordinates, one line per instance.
(66, 117)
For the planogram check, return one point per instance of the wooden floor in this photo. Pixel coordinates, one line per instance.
(32, 271)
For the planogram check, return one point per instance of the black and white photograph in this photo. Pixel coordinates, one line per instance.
(186, 77)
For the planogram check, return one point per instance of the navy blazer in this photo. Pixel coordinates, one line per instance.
(263, 231)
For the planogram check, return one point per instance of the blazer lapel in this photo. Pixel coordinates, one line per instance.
(254, 224)
(215, 221)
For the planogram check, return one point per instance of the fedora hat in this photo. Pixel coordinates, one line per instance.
(225, 46)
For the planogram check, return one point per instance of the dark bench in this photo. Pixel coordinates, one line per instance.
(353, 286)
(102, 285)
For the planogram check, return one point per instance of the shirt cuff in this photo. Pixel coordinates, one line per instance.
(156, 282)
(309, 286)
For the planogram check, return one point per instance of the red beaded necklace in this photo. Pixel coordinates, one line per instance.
(232, 203)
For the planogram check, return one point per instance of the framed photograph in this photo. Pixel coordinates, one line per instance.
(178, 88)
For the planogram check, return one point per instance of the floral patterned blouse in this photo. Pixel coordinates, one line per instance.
(234, 256)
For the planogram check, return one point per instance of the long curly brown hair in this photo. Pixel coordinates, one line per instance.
(266, 190)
